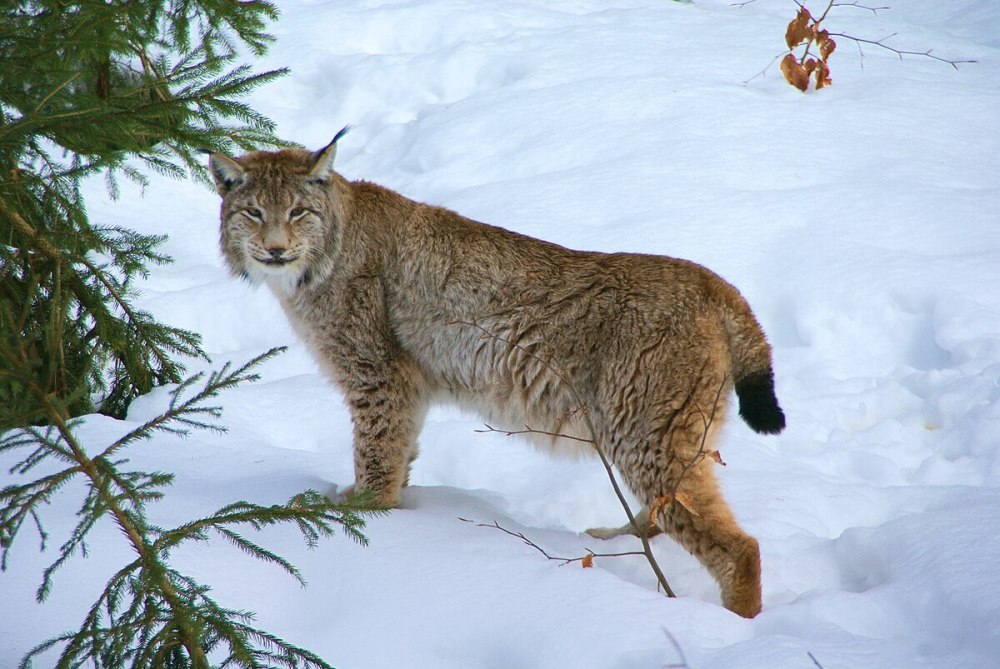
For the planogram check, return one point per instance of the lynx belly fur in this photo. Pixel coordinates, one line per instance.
(405, 304)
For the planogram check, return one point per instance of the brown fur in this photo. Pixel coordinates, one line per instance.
(393, 297)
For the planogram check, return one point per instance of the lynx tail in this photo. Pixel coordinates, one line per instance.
(753, 373)
(758, 404)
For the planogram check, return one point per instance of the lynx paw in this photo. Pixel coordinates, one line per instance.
(641, 519)
(610, 532)
(383, 499)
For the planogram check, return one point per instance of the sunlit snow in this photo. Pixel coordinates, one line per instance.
(862, 223)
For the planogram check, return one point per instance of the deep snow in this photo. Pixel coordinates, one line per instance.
(860, 222)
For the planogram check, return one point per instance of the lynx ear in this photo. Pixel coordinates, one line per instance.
(227, 172)
(322, 160)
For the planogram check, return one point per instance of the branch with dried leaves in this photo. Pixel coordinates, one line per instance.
(810, 68)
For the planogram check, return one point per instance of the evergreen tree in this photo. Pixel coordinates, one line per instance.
(119, 88)
(150, 615)
(91, 87)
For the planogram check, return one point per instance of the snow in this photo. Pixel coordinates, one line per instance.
(860, 222)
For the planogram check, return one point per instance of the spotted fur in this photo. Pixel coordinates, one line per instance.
(405, 304)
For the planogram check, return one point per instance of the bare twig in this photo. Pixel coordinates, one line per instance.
(902, 52)
(564, 560)
(813, 658)
(822, 16)
(680, 652)
(528, 430)
(766, 68)
(857, 5)
(640, 532)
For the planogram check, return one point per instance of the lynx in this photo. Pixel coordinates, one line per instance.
(405, 304)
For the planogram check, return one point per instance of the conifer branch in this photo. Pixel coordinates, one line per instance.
(148, 81)
(116, 89)
(148, 612)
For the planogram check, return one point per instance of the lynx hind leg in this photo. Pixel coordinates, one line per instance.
(645, 527)
(704, 525)
(708, 531)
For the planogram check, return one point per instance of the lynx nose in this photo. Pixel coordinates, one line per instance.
(274, 255)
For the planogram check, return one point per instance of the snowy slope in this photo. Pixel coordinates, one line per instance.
(861, 223)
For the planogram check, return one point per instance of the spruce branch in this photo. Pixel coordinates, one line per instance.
(149, 614)
(118, 90)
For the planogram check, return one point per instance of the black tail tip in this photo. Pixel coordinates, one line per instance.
(758, 404)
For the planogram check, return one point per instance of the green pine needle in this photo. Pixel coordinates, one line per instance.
(149, 614)
(133, 88)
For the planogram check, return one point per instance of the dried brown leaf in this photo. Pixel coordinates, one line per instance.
(587, 561)
(826, 45)
(716, 456)
(794, 73)
(663, 502)
(685, 500)
(799, 29)
(822, 75)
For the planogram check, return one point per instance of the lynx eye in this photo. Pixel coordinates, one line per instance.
(296, 212)
(256, 215)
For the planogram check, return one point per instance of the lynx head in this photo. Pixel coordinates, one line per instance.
(280, 214)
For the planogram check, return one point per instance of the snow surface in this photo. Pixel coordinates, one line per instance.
(861, 223)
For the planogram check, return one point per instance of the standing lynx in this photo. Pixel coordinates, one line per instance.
(405, 304)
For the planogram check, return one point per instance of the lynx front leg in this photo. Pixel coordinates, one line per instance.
(387, 411)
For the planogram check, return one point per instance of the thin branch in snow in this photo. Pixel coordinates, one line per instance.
(813, 658)
(585, 559)
(683, 664)
(954, 62)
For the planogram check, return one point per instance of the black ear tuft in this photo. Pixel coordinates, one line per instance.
(343, 131)
(322, 160)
